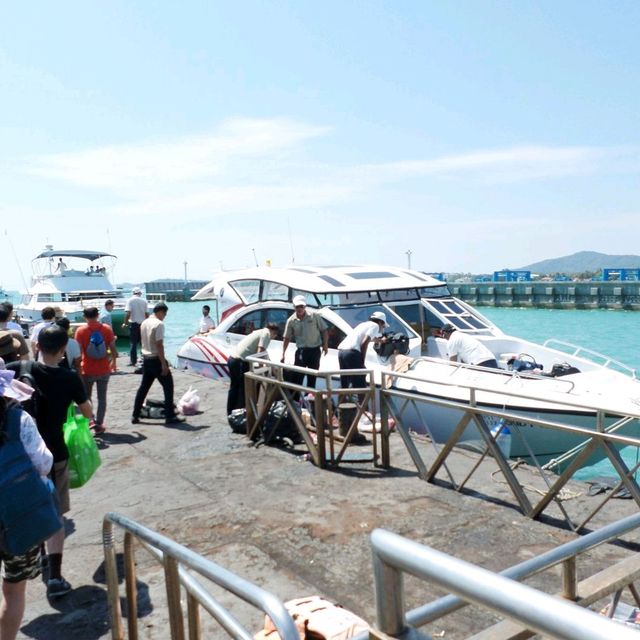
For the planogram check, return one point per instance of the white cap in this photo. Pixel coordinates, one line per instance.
(379, 315)
(136, 291)
(299, 301)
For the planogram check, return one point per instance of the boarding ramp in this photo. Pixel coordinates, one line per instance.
(432, 458)
(326, 435)
(527, 610)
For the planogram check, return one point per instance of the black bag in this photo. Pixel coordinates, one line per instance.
(28, 511)
(25, 375)
(563, 369)
(278, 425)
(237, 420)
(392, 343)
(524, 362)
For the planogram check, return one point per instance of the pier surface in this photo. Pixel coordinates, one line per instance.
(275, 519)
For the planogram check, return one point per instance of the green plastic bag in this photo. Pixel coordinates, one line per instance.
(84, 457)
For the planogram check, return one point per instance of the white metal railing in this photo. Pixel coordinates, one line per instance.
(588, 354)
(560, 619)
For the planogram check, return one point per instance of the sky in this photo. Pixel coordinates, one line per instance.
(456, 136)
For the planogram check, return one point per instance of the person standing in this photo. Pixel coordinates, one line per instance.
(10, 324)
(48, 315)
(155, 365)
(466, 348)
(309, 331)
(16, 424)
(352, 351)
(206, 322)
(58, 387)
(135, 314)
(105, 314)
(256, 342)
(98, 346)
(72, 354)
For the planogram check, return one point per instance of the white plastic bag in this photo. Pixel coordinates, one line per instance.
(189, 403)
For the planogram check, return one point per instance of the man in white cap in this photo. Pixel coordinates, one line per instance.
(135, 314)
(309, 331)
(465, 348)
(353, 348)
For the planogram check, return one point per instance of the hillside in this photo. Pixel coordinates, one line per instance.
(584, 261)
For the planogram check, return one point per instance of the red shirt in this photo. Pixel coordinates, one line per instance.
(91, 366)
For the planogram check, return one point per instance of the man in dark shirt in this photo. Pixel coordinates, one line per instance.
(58, 388)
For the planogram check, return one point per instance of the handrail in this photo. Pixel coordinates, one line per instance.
(590, 354)
(184, 557)
(540, 612)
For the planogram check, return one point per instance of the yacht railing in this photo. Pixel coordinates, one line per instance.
(176, 559)
(539, 612)
(588, 354)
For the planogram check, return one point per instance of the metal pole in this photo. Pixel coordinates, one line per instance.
(131, 586)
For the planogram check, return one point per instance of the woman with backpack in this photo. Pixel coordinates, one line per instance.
(19, 434)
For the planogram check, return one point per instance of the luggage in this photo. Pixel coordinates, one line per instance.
(317, 619)
(28, 510)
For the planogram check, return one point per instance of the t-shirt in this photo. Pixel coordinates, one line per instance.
(105, 317)
(206, 324)
(306, 333)
(38, 328)
(355, 338)
(59, 388)
(249, 345)
(151, 332)
(72, 351)
(468, 349)
(137, 306)
(93, 366)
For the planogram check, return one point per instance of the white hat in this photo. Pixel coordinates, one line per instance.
(299, 301)
(379, 315)
(136, 291)
(10, 388)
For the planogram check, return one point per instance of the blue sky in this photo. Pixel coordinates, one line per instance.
(478, 135)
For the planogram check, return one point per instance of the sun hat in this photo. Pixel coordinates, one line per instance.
(136, 291)
(10, 388)
(299, 301)
(8, 344)
(380, 317)
(448, 328)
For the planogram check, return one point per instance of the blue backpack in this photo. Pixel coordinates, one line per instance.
(96, 349)
(28, 510)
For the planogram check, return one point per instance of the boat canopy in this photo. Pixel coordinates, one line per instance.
(73, 253)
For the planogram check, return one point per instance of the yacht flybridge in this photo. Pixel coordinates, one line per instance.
(414, 304)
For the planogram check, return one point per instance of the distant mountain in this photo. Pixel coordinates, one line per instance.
(584, 261)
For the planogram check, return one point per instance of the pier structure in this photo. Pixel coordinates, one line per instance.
(551, 295)
(173, 290)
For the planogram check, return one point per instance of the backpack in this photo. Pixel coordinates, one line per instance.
(96, 348)
(25, 375)
(28, 511)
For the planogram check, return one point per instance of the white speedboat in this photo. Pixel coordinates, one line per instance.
(414, 303)
(71, 280)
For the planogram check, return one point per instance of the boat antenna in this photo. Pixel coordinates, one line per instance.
(254, 257)
(15, 257)
(293, 258)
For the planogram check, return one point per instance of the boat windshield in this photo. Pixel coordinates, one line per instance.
(451, 311)
(355, 315)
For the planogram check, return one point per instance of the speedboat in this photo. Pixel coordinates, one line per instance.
(71, 280)
(555, 381)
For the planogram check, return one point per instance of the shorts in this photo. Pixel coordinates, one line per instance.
(19, 568)
(60, 477)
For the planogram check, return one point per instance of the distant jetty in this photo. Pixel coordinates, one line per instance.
(551, 295)
(173, 290)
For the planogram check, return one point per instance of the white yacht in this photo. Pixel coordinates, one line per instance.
(71, 280)
(414, 304)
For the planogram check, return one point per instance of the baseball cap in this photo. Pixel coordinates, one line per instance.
(299, 301)
(448, 328)
(379, 315)
(136, 291)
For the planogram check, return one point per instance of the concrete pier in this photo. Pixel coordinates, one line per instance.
(551, 295)
(272, 517)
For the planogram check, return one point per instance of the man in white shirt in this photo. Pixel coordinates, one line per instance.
(48, 315)
(206, 322)
(135, 314)
(465, 348)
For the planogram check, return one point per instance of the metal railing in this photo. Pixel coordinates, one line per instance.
(471, 413)
(588, 354)
(176, 559)
(394, 555)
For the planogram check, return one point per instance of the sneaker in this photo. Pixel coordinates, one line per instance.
(134, 420)
(57, 587)
(173, 420)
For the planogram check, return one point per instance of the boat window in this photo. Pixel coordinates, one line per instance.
(356, 297)
(371, 275)
(441, 291)
(247, 323)
(274, 291)
(311, 299)
(279, 317)
(399, 294)
(413, 314)
(336, 336)
(455, 307)
(355, 315)
(49, 297)
(26, 299)
(451, 311)
(333, 281)
(248, 290)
